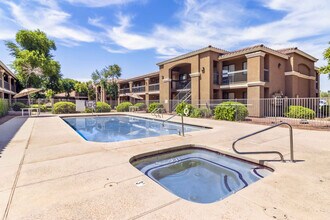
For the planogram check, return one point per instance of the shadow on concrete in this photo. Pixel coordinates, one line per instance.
(8, 131)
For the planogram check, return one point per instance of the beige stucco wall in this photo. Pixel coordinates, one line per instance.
(276, 66)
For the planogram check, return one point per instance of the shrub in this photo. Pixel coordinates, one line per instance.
(42, 108)
(17, 106)
(123, 107)
(179, 109)
(299, 112)
(154, 105)
(64, 107)
(102, 107)
(206, 112)
(196, 113)
(4, 107)
(230, 111)
(141, 106)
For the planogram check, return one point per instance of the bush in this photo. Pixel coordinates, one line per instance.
(141, 106)
(179, 109)
(17, 106)
(123, 107)
(154, 105)
(42, 108)
(299, 112)
(206, 112)
(196, 113)
(64, 107)
(4, 107)
(102, 107)
(230, 111)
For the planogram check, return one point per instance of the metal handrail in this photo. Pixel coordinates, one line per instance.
(182, 124)
(156, 110)
(267, 152)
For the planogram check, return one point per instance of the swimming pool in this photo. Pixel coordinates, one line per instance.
(200, 175)
(121, 128)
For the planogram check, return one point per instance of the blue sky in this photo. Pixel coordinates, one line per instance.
(136, 34)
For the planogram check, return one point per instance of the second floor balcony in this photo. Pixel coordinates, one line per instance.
(137, 89)
(154, 87)
(124, 91)
(234, 77)
(6, 85)
(180, 84)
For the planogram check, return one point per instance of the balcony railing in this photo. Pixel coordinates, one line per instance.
(139, 89)
(154, 87)
(124, 91)
(180, 84)
(266, 75)
(234, 77)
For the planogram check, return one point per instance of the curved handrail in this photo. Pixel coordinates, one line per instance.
(267, 152)
(169, 119)
(182, 124)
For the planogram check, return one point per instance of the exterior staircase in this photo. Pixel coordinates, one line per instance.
(183, 96)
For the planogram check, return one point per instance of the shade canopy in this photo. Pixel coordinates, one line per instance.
(26, 92)
(134, 95)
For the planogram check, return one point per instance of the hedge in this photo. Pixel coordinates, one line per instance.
(4, 107)
(42, 108)
(17, 106)
(154, 105)
(64, 107)
(179, 109)
(141, 106)
(123, 107)
(102, 107)
(301, 112)
(230, 111)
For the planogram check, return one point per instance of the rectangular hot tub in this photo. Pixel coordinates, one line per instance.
(200, 175)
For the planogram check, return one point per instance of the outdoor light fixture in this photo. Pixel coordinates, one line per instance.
(203, 69)
(279, 65)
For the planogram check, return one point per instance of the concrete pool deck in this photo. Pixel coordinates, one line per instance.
(47, 171)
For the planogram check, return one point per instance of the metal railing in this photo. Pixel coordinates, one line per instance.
(154, 87)
(234, 77)
(158, 112)
(180, 84)
(124, 91)
(182, 124)
(267, 152)
(139, 89)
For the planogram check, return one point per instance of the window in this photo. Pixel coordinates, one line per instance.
(182, 77)
(244, 65)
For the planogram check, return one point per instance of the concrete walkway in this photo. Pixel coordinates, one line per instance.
(47, 171)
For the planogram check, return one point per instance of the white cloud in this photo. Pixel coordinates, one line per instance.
(223, 24)
(99, 3)
(46, 17)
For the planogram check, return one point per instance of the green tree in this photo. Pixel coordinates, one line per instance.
(107, 78)
(67, 86)
(326, 69)
(91, 91)
(33, 60)
(81, 88)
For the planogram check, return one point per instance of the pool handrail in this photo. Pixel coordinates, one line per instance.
(267, 152)
(156, 110)
(182, 124)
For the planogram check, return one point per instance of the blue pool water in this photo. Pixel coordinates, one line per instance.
(122, 128)
(200, 175)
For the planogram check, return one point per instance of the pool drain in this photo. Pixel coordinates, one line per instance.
(275, 213)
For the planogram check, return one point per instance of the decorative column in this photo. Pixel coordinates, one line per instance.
(118, 85)
(255, 82)
(130, 90)
(96, 93)
(2, 72)
(146, 83)
(195, 88)
(10, 89)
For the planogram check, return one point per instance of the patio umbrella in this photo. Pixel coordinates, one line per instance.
(136, 96)
(27, 92)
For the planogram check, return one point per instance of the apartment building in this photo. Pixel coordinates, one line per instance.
(144, 87)
(211, 73)
(8, 82)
